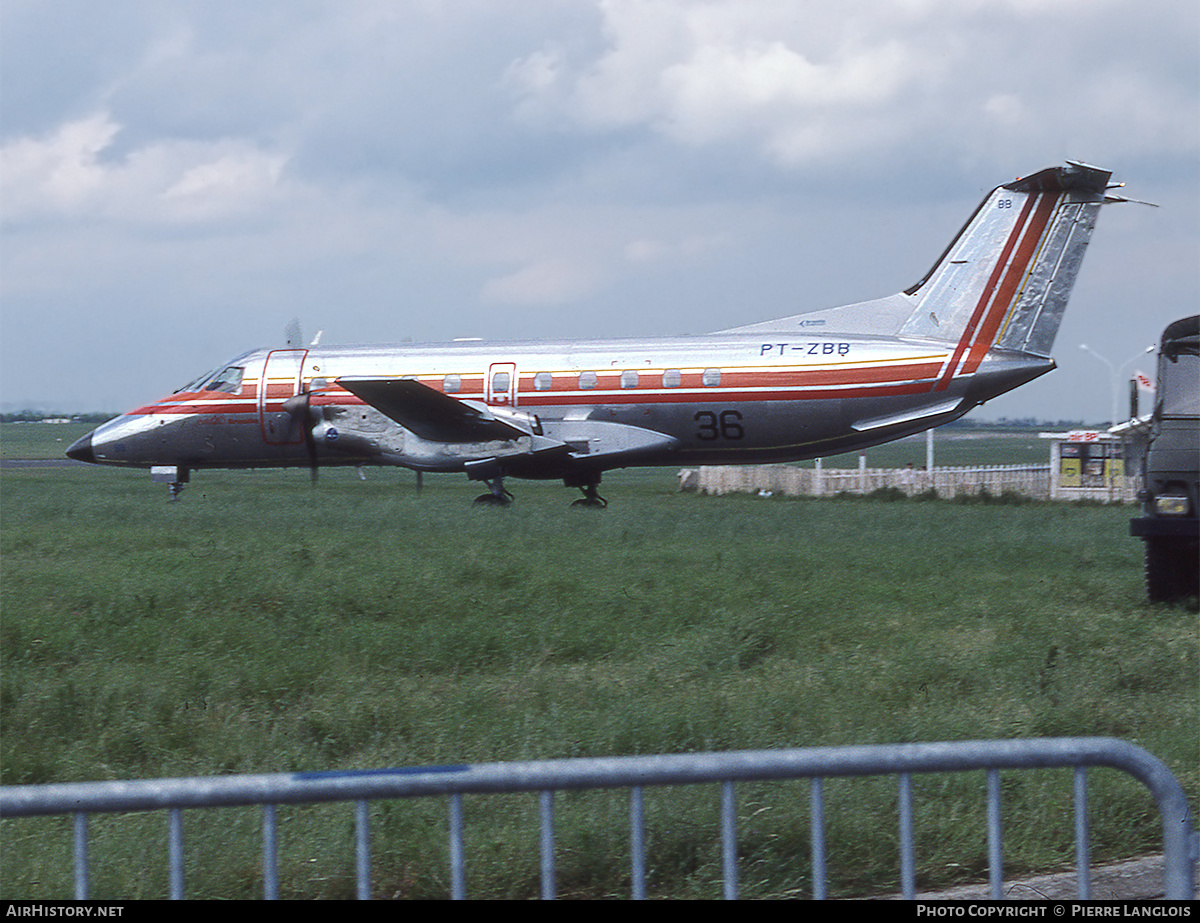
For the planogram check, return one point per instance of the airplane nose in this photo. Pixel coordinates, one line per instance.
(81, 450)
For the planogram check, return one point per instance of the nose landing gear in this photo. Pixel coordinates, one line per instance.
(174, 477)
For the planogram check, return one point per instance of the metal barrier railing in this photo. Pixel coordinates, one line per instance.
(634, 773)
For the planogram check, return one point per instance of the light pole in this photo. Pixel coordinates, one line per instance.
(1116, 373)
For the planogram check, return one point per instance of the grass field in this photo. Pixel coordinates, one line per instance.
(39, 440)
(261, 626)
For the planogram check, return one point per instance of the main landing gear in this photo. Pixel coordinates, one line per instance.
(498, 495)
(591, 497)
(493, 475)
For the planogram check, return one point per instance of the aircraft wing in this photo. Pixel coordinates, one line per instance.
(428, 413)
(437, 417)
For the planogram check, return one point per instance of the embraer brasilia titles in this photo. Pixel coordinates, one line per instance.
(981, 322)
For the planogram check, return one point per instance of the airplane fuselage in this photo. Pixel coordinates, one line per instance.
(706, 400)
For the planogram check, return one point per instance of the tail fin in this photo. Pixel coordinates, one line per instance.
(1002, 282)
(1005, 280)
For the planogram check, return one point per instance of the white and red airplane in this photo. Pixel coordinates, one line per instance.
(981, 322)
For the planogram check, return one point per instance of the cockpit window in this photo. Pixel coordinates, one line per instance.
(196, 384)
(229, 380)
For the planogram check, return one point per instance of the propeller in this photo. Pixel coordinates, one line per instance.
(295, 338)
(299, 408)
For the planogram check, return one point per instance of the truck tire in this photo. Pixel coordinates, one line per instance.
(1171, 570)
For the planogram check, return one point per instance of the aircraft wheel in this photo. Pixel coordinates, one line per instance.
(591, 496)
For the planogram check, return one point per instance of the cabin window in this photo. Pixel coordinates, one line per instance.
(317, 384)
(711, 378)
(542, 381)
(228, 381)
(672, 378)
(587, 381)
(500, 382)
(452, 383)
(629, 378)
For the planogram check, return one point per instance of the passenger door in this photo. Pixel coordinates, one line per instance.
(280, 381)
(502, 384)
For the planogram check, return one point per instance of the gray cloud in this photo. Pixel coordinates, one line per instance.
(179, 180)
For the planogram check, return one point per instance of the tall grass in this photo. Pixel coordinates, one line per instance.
(263, 626)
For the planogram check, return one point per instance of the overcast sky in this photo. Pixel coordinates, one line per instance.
(181, 179)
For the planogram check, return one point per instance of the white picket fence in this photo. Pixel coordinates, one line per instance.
(1032, 481)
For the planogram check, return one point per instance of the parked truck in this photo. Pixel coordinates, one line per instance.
(1170, 522)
